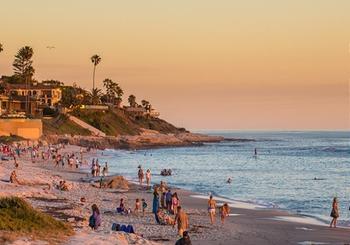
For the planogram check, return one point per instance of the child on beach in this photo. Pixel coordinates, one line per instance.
(224, 210)
(144, 206)
(122, 209)
(137, 206)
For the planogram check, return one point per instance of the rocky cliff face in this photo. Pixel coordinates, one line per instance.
(146, 139)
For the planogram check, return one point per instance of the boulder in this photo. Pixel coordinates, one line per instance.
(117, 182)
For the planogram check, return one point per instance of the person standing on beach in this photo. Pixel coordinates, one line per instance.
(175, 202)
(211, 209)
(140, 175)
(182, 221)
(168, 197)
(148, 177)
(162, 193)
(334, 213)
(155, 205)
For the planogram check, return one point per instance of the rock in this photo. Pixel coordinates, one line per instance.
(117, 182)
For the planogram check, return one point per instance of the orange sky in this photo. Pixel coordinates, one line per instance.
(203, 64)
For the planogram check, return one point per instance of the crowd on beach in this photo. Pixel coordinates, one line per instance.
(166, 204)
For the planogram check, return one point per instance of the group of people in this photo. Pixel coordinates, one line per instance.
(140, 207)
(141, 176)
(96, 169)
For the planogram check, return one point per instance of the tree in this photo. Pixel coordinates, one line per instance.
(95, 96)
(146, 105)
(73, 96)
(132, 100)
(22, 65)
(113, 91)
(51, 82)
(95, 59)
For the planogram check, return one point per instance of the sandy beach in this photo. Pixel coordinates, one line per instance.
(247, 224)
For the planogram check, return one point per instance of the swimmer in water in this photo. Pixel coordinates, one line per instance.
(229, 181)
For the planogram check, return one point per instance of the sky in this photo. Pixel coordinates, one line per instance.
(243, 65)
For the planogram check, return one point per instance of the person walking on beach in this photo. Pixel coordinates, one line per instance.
(95, 218)
(148, 177)
(211, 209)
(140, 175)
(334, 213)
(181, 219)
(224, 211)
(155, 205)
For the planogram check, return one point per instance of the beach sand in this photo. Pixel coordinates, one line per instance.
(247, 224)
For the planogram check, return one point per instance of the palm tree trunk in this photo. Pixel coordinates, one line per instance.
(93, 79)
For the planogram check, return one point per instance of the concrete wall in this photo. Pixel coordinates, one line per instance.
(26, 128)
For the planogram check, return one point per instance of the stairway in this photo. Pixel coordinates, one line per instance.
(93, 130)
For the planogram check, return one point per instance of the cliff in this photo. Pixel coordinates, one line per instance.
(146, 139)
(121, 130)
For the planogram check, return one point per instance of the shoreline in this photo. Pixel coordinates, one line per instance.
(241, 204)
(244, 226)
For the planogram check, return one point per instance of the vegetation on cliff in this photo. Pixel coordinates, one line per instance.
(118, 122)
(62, 125)
(18, 217)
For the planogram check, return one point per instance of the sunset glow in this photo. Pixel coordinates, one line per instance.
(203, 64)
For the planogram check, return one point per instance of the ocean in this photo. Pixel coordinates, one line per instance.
(296, 171)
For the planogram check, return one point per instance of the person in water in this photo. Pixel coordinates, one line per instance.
(334, 213)
(140, 175)
(229, 181)
(211, 209)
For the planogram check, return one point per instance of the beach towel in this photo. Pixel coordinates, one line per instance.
(124, 228)
(115, 227)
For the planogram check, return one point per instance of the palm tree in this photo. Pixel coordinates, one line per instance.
(95, 96)
(132, 100)
(95, 59)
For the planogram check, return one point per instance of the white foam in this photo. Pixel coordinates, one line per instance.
(311, 243)
(232, 203)
(304, 228)
(234, 214)
(302, 220)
